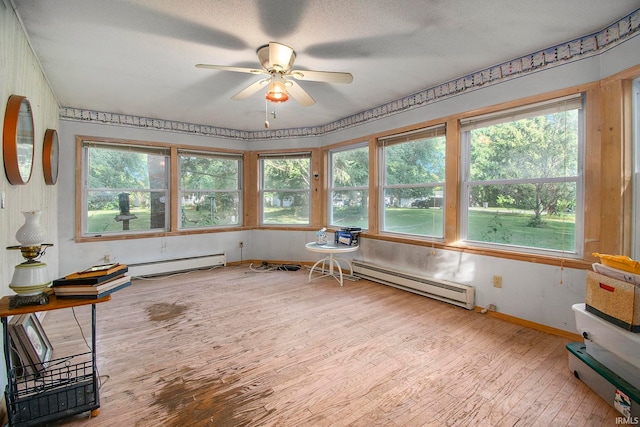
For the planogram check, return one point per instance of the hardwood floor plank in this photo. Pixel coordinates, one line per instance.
(235, 347)
(571, 404)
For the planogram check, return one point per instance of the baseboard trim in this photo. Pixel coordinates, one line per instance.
(532, 325)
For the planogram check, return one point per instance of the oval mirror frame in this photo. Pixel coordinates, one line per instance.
(50, 157)
(18, 140)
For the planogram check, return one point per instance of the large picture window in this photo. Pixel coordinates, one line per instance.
(413, 182)
(125, 188)
(285, 188)
(523, 177)
(210, 188)
(349, 187)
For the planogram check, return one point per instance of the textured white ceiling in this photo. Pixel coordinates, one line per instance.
(138, 57)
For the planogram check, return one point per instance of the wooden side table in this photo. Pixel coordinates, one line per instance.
(67, 386)
(331, 251)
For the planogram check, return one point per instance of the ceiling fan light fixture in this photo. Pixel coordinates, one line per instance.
(277, 91)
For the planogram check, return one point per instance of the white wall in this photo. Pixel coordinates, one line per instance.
(20, 74)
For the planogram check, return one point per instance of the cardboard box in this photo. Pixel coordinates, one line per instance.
(613, 300)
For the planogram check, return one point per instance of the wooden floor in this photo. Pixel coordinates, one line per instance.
(237, 347)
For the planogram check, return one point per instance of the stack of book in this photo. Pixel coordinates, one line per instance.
(95, 282)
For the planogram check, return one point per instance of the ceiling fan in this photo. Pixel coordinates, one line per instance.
(276, 60)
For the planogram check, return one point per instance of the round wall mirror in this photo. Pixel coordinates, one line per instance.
(18, 140)
(50, 156)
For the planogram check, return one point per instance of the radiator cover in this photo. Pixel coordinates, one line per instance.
(443, 290)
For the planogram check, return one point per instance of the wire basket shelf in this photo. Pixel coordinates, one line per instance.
(49, 391)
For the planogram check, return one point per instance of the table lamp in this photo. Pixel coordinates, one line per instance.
(31, 277)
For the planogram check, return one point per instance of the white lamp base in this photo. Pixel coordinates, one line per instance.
(30, 278)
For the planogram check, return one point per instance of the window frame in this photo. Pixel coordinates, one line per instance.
(531, 110)
(212, 155)
(172, 200)
(85, 145)
(432, 131)
(262, 190)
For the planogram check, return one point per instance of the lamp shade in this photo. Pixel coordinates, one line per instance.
(277, 91)
(31, 233)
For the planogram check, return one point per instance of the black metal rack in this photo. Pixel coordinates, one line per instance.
(38, 394)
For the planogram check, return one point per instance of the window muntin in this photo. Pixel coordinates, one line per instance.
(523, 177)
(413, 182)
(210, 189)
(125, 188)
(285, 190)
(349, 187)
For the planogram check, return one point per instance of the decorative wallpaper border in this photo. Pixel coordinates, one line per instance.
(577, 49)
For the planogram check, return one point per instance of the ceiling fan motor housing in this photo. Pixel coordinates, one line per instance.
(276, 57)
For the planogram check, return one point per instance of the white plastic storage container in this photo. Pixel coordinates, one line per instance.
(611, 345)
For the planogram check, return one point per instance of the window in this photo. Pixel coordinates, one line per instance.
(285, 188)
(349, 187)
(413, 179)
(209, 189)
(125, 188)
(523, 177)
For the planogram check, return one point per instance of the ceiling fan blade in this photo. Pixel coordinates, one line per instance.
(322, 76)
(280, 57)
(234, 69)
(250, 90)
(299, 94)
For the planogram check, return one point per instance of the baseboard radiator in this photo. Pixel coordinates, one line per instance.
(156, 268)
(443, 290)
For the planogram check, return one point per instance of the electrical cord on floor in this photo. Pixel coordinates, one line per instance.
(266, 267)
(182, 273)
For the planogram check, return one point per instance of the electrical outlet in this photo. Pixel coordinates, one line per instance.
(497, 281)
(492, 307)
(241, 244)
(107, 258)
